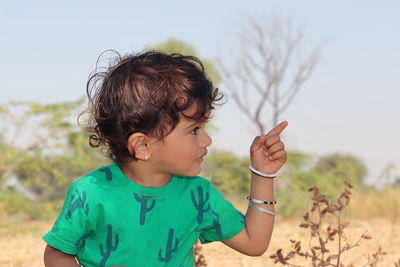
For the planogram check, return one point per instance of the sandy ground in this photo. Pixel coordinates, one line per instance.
(384, 233)
(23, 246)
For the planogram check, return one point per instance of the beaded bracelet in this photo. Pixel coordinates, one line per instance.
(261, 209)
(257, 201)
(265, 175)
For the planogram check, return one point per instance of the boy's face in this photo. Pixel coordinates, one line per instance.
(182, 151)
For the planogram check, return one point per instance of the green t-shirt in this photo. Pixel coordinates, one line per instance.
(108, 220)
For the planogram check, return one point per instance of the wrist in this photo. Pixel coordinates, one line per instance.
(262, 188)
(261, 174)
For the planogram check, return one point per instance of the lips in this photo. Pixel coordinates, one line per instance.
(201, 158)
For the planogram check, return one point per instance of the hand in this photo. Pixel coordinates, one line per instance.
(267, 152)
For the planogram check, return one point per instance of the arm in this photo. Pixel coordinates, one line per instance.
(55, 258)
(268, 156)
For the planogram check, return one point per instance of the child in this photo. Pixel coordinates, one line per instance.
(149, 207)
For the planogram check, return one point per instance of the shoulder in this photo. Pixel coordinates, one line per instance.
(94, 178)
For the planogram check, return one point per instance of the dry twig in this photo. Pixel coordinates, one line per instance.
(317, 253)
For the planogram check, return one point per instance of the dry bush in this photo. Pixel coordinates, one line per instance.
(327, 240)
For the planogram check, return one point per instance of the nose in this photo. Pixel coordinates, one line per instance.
(206, 140)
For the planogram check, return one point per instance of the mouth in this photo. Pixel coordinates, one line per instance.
(201, 158)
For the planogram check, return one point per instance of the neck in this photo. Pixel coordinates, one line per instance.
(141, 173)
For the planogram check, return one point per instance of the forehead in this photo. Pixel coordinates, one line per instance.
(185, 123)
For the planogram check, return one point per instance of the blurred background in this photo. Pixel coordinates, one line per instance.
(329, 68)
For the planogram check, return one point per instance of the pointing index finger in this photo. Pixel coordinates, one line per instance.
(277, 129)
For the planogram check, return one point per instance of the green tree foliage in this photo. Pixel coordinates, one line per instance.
(44, 148)
(293, 182)
(177, 46)
(387, 177)
(334, 168)
(228, 173)
(397, 181)
(302, 171)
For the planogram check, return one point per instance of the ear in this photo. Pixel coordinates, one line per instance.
(138, 146)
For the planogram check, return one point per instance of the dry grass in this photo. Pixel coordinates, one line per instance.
(21, 244)
(384, 233)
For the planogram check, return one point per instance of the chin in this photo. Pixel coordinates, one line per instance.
(193, 172)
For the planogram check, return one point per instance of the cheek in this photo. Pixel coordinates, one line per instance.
(180, 149)
(188, 147)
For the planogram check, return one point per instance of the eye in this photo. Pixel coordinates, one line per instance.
(194, 131)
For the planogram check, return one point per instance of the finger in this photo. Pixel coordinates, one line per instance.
(280, 155)
(275, 148)
(272, 140)
(258, 142)
(278, 129)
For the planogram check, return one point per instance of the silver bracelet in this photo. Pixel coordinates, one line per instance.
(257, 201)
(261, 209)
(265, 175)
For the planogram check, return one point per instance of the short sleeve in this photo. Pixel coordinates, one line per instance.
(223, 220)
(72, 224)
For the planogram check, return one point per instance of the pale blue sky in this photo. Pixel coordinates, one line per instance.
(350, 104)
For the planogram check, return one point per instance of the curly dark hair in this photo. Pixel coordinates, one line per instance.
(147, 93)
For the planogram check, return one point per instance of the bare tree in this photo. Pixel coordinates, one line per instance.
(270, 66)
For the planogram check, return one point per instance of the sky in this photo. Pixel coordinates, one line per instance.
(349, 105)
